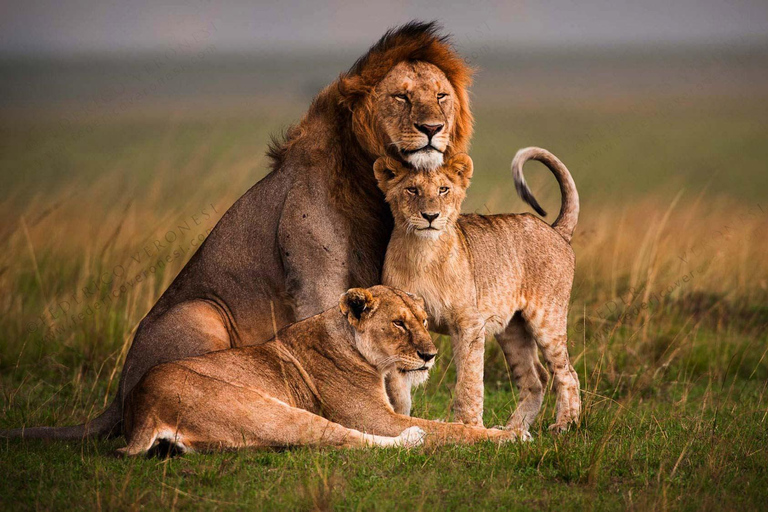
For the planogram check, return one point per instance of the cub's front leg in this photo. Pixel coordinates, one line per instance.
(399, 392)
(468, 341)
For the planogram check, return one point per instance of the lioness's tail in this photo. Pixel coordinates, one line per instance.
(107, 423)
(565, 223)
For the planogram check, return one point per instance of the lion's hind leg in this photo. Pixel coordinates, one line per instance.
(528, 374)
(549, 329)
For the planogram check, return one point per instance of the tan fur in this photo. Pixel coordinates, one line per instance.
(316, 225)
(319, 382)
(507, 276)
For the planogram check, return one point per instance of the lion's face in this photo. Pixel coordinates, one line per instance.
(415, 107)
(390, 328)
(424, 202)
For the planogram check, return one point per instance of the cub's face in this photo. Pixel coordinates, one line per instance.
(416, 109)
(390, 329)
(424, 202)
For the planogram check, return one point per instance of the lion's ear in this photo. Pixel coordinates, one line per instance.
(388, 171)
(357, 303)
(461, 167)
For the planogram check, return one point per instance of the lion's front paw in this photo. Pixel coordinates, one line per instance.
(410, 437)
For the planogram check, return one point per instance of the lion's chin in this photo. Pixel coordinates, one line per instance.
(425, 160)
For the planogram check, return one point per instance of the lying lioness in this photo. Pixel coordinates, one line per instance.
(318, 382)
(482, 275)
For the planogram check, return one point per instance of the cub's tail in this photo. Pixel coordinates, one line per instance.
(566, 221)
(106, 424)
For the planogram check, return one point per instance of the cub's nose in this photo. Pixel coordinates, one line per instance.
(425, 357)
(429, 129)
(430, 216)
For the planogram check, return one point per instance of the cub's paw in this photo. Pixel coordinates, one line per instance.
(410, 437)
(559, 427)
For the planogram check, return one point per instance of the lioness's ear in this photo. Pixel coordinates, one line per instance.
(417, 299)
(388, 171)
(461, 166)
(356, 303)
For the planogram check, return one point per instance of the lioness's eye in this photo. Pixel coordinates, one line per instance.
(442, 95)
(400, 97)
(412, 190)
(399, 323)
(443, 191)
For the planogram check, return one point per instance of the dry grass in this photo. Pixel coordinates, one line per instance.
(668, 323)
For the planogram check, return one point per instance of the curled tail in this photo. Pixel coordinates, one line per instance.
(106, 424)
(566, 221)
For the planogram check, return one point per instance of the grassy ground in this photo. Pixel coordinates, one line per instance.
(668, 325)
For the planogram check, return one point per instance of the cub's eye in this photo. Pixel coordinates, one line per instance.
(401, 97)
(426, 324)
(443, 190)
(412, 190)
(441, 95)
(400, 324)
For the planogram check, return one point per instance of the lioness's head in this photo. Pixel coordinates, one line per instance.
(390, 328)
(424, 203)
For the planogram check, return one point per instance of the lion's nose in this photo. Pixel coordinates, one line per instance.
(429, 129)
(425, 357)
(430, 216)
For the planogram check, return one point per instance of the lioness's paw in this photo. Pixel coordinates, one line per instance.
(522, 435)
(511, 435)
(410, 437)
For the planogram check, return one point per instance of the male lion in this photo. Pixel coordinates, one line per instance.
(483, 275)
(318, 382)
(317, 224)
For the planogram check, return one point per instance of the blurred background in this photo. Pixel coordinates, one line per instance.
(128, 128)
(122, 121)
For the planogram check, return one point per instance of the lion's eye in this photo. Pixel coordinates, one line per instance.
(401, 97)
(412, 190)
(443, 190)
(400, 324)
(441, 95)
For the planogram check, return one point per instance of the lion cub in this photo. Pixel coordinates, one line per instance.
(507, 276)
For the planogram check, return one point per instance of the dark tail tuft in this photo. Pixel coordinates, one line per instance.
(566, 221)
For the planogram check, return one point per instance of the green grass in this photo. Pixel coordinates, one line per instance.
(675, 412)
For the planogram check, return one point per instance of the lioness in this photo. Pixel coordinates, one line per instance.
(316, 225)
(482, 275)
(318, 382)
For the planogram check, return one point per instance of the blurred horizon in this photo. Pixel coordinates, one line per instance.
(87, 27)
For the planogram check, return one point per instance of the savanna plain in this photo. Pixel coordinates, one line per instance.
(107, 192)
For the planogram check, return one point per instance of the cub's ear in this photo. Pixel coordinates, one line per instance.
(357, 303)
(388, 172)
(460, 167)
